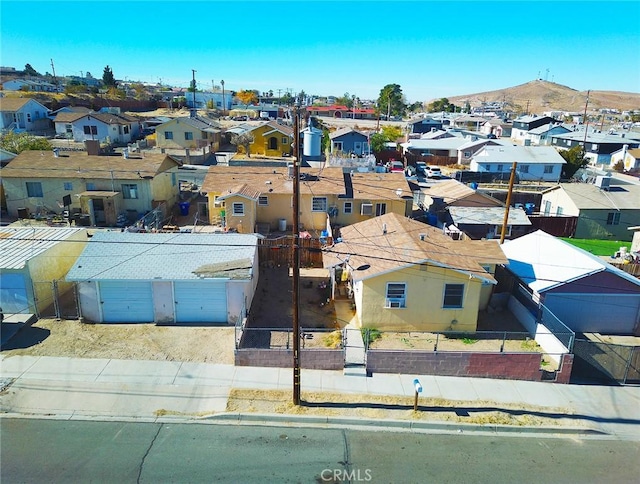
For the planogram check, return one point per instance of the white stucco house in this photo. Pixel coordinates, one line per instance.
(103, 127)
(534, 163)
(166, 278)
(23, 114)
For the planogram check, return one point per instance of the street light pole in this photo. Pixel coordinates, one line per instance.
(223, 106)
(296, 256)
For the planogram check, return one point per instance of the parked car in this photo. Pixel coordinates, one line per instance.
(434, 172)
(396, 166)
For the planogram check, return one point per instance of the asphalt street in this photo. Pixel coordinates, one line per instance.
(59, 451)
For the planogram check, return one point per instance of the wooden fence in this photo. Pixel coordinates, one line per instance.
(279, 251)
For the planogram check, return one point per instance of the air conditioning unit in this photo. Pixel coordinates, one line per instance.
(394, 303)
(366, 209)
(603, 182)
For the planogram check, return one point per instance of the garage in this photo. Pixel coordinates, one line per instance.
(13, 291)
(126, 301)
(201, 301)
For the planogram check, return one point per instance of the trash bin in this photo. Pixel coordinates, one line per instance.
(184, 208)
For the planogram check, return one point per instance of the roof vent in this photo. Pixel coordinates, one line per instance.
(384, 228)
(423, 236)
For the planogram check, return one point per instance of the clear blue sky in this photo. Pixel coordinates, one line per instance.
(431, 49)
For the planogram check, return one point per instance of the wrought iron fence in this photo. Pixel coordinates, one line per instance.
(279, 338)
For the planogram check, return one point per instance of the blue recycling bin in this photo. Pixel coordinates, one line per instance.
(184, 208)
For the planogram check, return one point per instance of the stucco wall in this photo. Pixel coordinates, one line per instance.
(424, 300)
(309, 359)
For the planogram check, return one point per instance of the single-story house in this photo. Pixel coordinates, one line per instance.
(269, 139)
(496, 127)
(630, 158)
(523, 124)
(29, 85)
(104, 127)
(424, 125)
(604, 211)
(348, 140)
(23, 114)
(248, 198)
(404, 275)
(98, 186)
(598, 146)
(189, 132)
(31, 258)
(541, 135)
(472, 146)
(534, 163)
(583, 291)
(486, 222)
(128, 277)
(452, 193)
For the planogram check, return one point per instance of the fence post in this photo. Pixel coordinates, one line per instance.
(288, 339)
(56, 302)
(435, 348)
(504, 337)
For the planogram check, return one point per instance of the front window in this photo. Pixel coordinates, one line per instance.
(524, 168)
(129, 191)
(319, 204)
(613, 218)
(34, 189)
(453, 295)
(487, 167)
(381, 209)
(396, 295)
(263, 200)
(91, 130)
(337, 145)
(548, 169)
(168, 135)
(348, 207)
(68, 186)
(68, 128)
(91, 186)
(188, 135)
(238, 208)
(285, 140)
(499, 168)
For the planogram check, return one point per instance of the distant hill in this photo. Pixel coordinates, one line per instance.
(548, 96)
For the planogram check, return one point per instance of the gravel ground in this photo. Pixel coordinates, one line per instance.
(69, 338)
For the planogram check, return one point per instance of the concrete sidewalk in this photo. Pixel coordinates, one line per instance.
(77, 388)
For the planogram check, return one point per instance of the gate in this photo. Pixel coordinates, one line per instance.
(57, 299)
(606, 362)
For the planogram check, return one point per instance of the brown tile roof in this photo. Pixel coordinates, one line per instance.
(72, 165)
(65, 117)
(392, 242)
(286, 130)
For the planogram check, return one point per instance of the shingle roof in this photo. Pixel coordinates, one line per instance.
(18, 245)
(543, 261)
(72, 165)
(342, 131)
(588, 196)
(65, 117)
(392, 242)
(200, 123)
(125, 256)
(487, 216)
(12, 104)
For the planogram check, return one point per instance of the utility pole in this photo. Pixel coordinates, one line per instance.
(528, 102)
(193, 85)
(506, 210)
(223, 106)
(296, 255)
(55, 81)
(586, 127)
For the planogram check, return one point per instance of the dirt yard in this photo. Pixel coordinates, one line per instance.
(70, 338)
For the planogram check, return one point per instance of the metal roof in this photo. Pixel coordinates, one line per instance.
(147, 256)
(543, 261)
(487, 216)
(19, 244)
(521, 154)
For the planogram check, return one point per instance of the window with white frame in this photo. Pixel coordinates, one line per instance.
(68, 186)
(238, 209)
(548, 169)
(348, 207)
(453, 296)
(381, 209)
(34, 189)
(613, 218)
(68, 128)
(337, 145)
(559, 211)
(594, 147)
(129, 191)
(285, 140)
(319, 204)
(168, 135)
(263, 200)
(396, 295)
(467, 154)
(188, 135)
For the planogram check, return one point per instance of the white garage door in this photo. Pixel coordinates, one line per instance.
(201, 301)
(126, 302)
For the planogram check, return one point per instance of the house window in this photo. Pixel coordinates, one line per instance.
(68, 186)
(90, 130)
(487, 167)
(559, 211)
(238, 209)
(613, 218)
(319, 204)
(348, 207)
(547, 208)
(594, 147)
(188, 135)
(548, 169)
(524, 168)
(91, 186)
(168, 135)
(129, 191)
(285, 140)
(453, 295)
(366, 209)
(499, 168)
(396, 294)
(467, 154)
(28, 117)
(273, 143)
(68, 128)
(34, 189)
(264, 201)
(173, 179)
(381, 209)
(337, 145)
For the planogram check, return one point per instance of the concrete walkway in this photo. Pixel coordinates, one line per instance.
(104, 388)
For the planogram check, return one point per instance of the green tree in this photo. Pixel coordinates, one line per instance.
(442, 105)
(192, 86)
(19, 142)
(30, 71)
(287, 99)
(386, 135)
(107, 77)
(390, 101)
(345, 100)
(575, 160)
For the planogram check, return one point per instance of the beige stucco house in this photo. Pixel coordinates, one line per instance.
(189, 133)
(404, 275)
(248, 199)
(98, 186)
